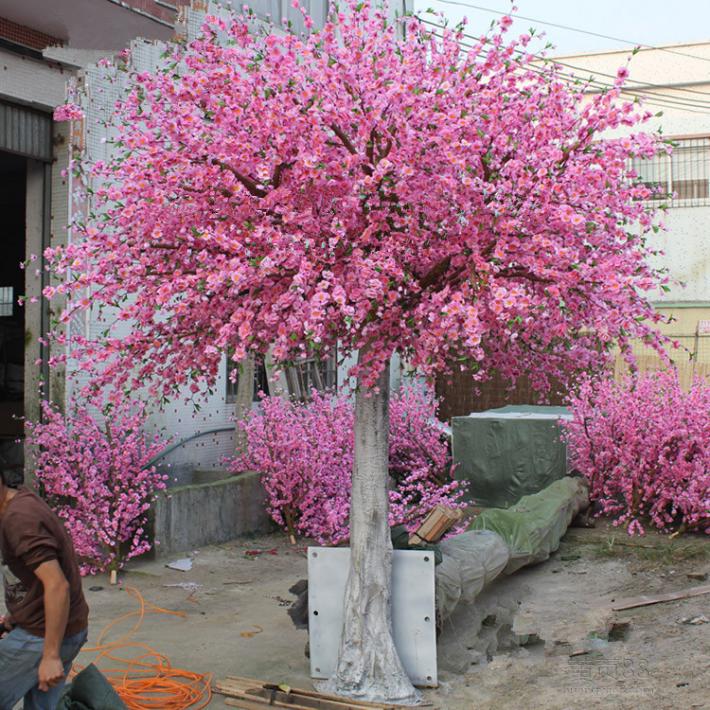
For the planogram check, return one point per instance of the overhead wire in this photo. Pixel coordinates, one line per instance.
(657, 99)
(627, 89)
(573, 29)
(659, 103)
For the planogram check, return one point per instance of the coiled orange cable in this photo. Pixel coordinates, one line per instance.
(147, 680)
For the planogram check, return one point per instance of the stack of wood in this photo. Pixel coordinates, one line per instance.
(250, 694)
(436, 524)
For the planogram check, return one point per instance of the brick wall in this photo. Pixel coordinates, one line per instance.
(161, 9)
(26, 36)
(460, 394)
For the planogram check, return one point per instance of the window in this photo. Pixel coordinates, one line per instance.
(300, 379)
(681, 179)
(7, 300)
(261, 382)
(312, 374)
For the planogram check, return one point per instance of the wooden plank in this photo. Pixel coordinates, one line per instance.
(280, 699)
(265, 695)
(644, 600)
(313, 694)
(438, 521)
(246, 704)
(256, 691)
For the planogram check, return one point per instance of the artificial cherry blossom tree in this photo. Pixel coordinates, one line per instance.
(372, 186)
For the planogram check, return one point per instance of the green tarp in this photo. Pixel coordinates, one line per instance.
(509, 452)
(90, 691)
(533, 527)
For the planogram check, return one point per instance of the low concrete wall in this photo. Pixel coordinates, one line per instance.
(199, 514)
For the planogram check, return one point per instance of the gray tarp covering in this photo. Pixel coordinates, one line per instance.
(470, 561)
(509, 452)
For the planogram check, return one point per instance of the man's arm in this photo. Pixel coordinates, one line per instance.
(56, 614)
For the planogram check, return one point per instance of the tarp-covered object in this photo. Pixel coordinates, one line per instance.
(534, 526)
(90, 691)
(509, 452)
(470, 561)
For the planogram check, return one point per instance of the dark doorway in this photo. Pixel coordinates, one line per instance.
(13, 189)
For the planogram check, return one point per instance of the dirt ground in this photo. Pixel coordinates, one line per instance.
(236, 623)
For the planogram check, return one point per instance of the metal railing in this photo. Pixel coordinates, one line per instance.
(691, 359)
(681, 179)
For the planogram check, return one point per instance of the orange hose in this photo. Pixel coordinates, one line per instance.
(147, 680)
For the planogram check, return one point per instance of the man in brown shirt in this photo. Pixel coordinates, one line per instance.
(47, 617)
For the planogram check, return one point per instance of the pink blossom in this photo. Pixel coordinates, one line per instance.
(644, 446)
(294, 195)
(96, 473)
(305, 453)
(68, 112)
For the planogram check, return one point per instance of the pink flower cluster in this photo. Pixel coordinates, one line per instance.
(68, 112)
(305, 452)
(644, 445)
(97, 477)
(369, 186)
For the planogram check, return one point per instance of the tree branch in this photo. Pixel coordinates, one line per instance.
(347, 143)
(250, 184)
(343, 138)
(518, 272)
(370, 149)
(435, 273)
(278, 173)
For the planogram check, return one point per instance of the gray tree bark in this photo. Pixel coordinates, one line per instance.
(369, 667)
(278, 386)
(245, 394)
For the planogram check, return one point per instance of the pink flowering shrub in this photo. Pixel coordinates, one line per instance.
(419, 461)
(68, 112)
(644, 446)
(305, 452)
(97, 477)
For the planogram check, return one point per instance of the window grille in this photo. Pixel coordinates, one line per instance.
(301, 379)
(7, 300)
(282, 12)
(312, 374)
(681, 179)
(261, 383)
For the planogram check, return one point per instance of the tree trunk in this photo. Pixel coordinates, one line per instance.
(368, 666)
(245, 394)
(278, 386)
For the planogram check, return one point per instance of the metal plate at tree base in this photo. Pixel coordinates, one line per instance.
(413, 610)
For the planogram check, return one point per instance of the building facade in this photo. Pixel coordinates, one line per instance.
(674, 83)
(42, 47)
(47, 51)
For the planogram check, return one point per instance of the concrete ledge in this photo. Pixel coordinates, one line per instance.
(200, 514)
